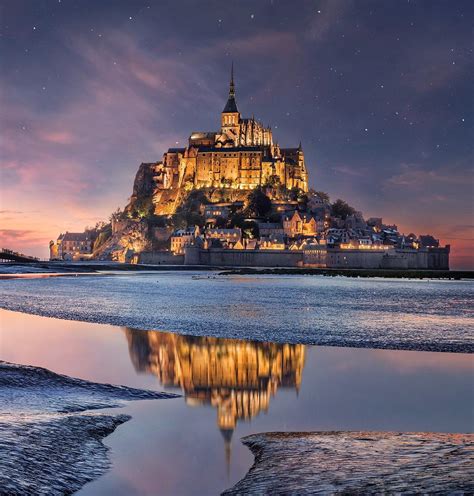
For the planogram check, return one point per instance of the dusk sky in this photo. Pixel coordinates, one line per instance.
(378, 92)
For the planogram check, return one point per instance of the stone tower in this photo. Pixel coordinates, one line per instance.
(230, 118)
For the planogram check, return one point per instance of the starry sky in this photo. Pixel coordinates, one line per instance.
(379, 93)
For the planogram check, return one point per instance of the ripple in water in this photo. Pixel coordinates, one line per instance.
(46, 445)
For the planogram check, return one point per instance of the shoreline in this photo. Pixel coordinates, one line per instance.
(54, 425)
(369, 345)
(83, 268)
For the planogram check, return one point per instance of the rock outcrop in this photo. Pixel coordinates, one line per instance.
(128, 238)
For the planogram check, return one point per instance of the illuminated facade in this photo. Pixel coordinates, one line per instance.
(242, 155)
(236, 377)
(71, 246)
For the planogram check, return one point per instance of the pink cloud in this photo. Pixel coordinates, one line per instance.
(58, 137)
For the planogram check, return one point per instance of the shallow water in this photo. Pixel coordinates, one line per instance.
(234, 388)
(363, 313)
(49, 442)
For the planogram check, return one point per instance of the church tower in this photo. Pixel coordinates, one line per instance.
(230, 118)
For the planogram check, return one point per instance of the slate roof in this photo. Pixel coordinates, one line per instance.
(231, 105)
(75, 237)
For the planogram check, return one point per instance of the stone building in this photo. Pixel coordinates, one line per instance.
(300, 224)
(71, 246)
(242, 155)
(182, 238)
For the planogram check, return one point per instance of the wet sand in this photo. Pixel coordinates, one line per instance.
(51, 429)
(167, 446)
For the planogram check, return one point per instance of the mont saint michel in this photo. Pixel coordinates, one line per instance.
(235, 197)
(236, 243)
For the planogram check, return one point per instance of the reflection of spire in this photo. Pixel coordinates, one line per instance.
(227, 435)
(236, 377)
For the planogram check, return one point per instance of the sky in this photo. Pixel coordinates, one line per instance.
(379, 94)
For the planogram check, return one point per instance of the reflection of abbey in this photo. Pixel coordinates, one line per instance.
(241, 155)
(236, 377)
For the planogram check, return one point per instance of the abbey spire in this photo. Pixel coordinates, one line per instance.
(231, 105)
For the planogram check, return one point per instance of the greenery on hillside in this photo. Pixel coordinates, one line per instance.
(246, 210)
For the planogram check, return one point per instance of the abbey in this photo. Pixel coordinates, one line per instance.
(242, 155)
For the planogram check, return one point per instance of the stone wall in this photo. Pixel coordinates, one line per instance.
(335, 258)
(354, 259)
(243, 258)
(159, 258)
(425, 258)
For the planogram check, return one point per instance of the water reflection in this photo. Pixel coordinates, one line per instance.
(236, 377)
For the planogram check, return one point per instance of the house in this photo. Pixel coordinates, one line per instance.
(182, 238)
(251, 244)
(299, 224)
(428, 241)
(268, 229)
(375, 222)
(227, 235)
(355, 221)
(215, 210)
(71, 246)
(275, 242)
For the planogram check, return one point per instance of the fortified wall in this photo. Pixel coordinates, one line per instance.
(335, 258)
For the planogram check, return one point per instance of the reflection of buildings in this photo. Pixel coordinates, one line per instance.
(236, 377)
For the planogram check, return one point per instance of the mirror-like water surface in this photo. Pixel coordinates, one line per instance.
(232, 388)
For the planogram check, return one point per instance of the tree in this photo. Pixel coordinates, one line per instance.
(227, 183)
(220, 222)
(157, 221)
(143, 207)
(103, 236)
(320, 194)
(303, 201)
(193, 201)
(250, 229)
(341, 209)
(194, 219)
(237, 220)
(179, 221)
(273, 181)
(258, 204)
(294, 193)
